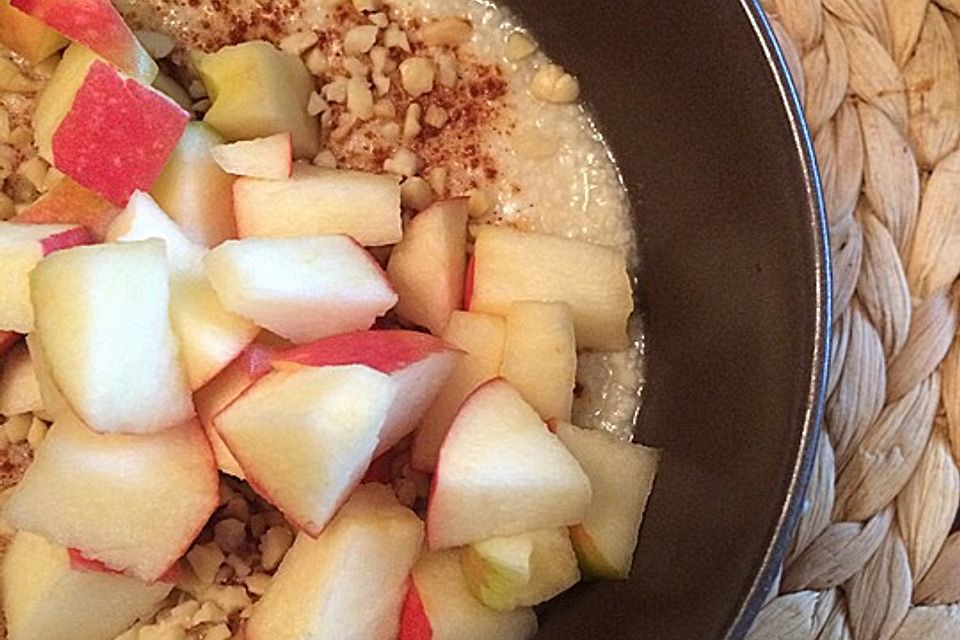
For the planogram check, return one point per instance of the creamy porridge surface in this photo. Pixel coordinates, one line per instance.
(541, 166)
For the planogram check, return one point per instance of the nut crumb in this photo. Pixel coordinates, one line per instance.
(552, 84)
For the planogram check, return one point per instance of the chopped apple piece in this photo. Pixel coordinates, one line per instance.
(419, 363)
(70, 203)
(349, 583)
(269, 158)
(96, 24)
(258, 90)
(439, 606)
(19, 389)
(317, 201)
(304, 438)
(117, 135)
(57, 97)
(22, 247)
(52, 400)
(210, 336)
(428, 266)
(522, 570)
(540, 356)
(48, 597)
(238, 376)
(103, 322)
(195, 191)
(28, 36)
(622, 477)
(511, 265)
(302, 289)
(481, 338)
(134, 503)
(501, 472)
(172, 89)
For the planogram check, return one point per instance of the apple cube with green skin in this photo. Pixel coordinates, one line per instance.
(257, 91)
(19, 389)
(540, 356)
(317, 201)
(622, 477)
(22, 247)
(480, 337)
(132, 502)
(303, 289)
(305, 437)
(195, 191)
(71, 203)
(95, 24)
(429, 264)
(102, 317)
(269, 158)
(350, 582)
(228, 385)
(502, 472)
(117, 134)
(210, 336)
(510, 265)
(522, 570)
(46, 596)
(440, 606)
(28, 36)
(420, 364)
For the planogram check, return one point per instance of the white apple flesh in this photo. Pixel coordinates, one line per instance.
(133, 502)
(501, 472)
(269, 158)
(305, 437)
(349, 583)
(102, 316)
(622, 477)
(302, 289)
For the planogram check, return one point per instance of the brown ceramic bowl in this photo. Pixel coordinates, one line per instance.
(695, 102)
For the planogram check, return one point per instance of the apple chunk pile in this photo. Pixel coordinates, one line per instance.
(194, 299)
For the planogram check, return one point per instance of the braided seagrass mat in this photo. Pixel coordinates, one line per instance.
(877, 552)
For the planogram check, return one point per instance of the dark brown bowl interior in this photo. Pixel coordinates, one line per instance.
(695, 104)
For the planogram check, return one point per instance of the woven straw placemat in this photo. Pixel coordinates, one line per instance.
(877, 552)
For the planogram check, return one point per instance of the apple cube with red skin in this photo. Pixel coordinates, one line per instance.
(19, 389)
(622, 476)
(427, 267)
(303, 289)
(440, 606)
(195, 191)
(510, 265)
(102, 317)
(350, 582)
(419, 363)
(28, 36)
(117, 135)
(540, 356)
(252, 364)
(49, 596)
(22, 247)
(210, 336)
(305, 437)
(70, 203)
(480, 337)
(315, 201)
(133, 502)
(270, 158)
(501, 472)
(98, 25)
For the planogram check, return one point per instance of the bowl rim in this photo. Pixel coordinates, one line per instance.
(819, 365)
